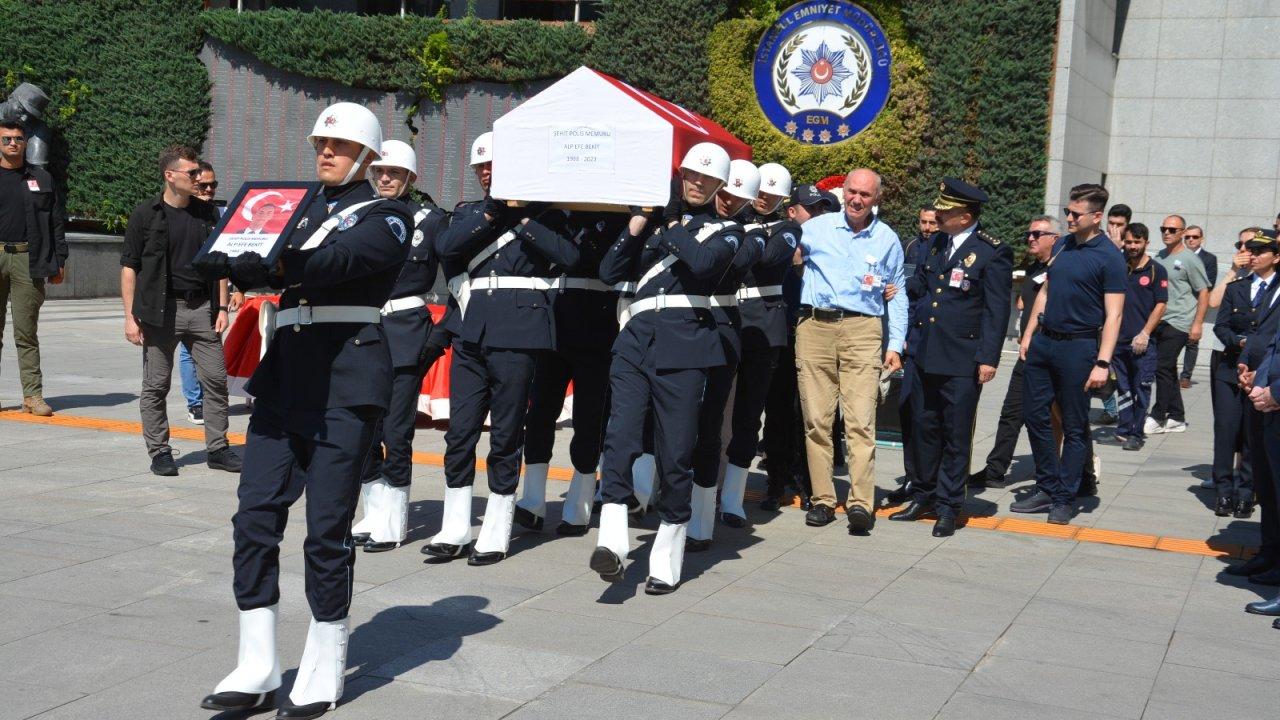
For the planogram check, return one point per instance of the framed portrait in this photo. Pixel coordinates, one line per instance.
(261, 218)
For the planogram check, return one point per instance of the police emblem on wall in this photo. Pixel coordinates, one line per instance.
(822, 71)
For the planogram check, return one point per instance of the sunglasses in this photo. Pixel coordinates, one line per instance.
(12, 140)
(208, 186)
(1037, 234)
(1170, 230)
(1072, 214)
(1191, 237)
(193, 173)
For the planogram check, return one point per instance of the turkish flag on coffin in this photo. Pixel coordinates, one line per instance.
(593, 139)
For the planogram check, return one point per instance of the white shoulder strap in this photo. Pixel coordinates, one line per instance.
(332, 222)
(493, 247)
(421, 215)
(705, 232)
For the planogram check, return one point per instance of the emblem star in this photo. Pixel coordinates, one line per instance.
(807, 136)
(791, 127)
(843, 130)
(825, 136)
(286, 206)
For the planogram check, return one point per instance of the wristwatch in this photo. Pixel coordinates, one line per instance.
(223, 308)
(1104, 364)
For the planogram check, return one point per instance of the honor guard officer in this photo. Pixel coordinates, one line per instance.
(666, 344)
(1068, 346)
(499, 263)
(731, 203)
(764, 333)
(586, 325)
(407, 322)
(320, 390)
(966, 280)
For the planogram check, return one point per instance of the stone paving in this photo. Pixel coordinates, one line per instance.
(115, 594)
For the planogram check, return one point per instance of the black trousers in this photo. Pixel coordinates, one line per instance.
(1010, 425)
(944, 408)
(755, 379)
(589, 372)
(1229, 434)
(783, 433)
(395, 431)
(1264, 438)
(321, 453)
(706, 452)
(1189, 359)
(675, 396)
(1169, 343)
(906, 419)
(494, 382)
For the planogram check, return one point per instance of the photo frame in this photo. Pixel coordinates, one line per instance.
(261, 218)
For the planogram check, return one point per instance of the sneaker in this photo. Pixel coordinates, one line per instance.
(1152, 427)
(1060, 514)
(1134, 443)
(1173, 426)
(1037, 502)
(224, 459)
(195, 414)
(163, 465)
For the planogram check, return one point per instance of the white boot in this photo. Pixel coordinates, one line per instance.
(577, 502)
(257, 667)
(613, 542)
(389, 525)
(666, 559)
(533, 496)
(643, 471)
(735, 486)
(495, 530)
(455, 528)
(366, 503)
(702, 522)
(323, 664)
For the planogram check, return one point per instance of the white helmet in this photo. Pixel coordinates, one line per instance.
(399, 154)
(775, 179)
(482, 149)
(349, 121)
(708, 159)
(744, 180)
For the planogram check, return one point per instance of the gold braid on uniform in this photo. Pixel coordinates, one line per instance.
(991, 239)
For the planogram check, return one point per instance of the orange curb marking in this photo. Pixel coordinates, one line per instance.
(1183, 546)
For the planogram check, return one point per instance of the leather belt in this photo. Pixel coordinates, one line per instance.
(829, 314)
(190, 296)
(15, 248)
(404, 303)
(758, 293)
(730, 300)
(1055, 335)
(319, 314)
(661, 302)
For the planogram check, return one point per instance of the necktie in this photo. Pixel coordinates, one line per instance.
(1262, 291)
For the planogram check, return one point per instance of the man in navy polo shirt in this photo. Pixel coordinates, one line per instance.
(1134, 364)
(1068, 347)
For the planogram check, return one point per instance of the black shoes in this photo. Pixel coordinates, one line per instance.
(444, 552)
(771, 504)
(945, 526)
(527, 519)
(1134, 443)
(377, 547)
(565, 529)
(1037, 502)
(898, 495)
(1252, 566)
(238, 701)
(360, 538)
(916, 510)
(819, 516)
(1225, 507)
(860, 521)
(1244, 510)
(479, 559)
(1088, 487)
(1264, 607)
(163, 465)
(310, 711)
(1059, 514)
(1269, 577)
(225, 459)
(657, 587)
(693, 545)
(987, 479)
(1106, 418)
(733, 521)
(607, 564)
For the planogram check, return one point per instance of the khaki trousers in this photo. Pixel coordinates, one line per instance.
(27, 295)
(840, 361)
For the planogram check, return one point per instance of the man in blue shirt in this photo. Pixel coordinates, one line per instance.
(1145, 298)
(849, 256)
(1068, 347)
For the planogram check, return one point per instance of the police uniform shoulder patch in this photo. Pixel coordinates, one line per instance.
(732, 240)
(1248, 277)
(760, 241)
(991, 239)
(397, 227)
(791, 239)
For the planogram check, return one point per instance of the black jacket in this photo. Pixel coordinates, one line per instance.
(587, 320)
(408, 330)
(764, 320)
(1237, 323)
(146, 250)
(45, 219)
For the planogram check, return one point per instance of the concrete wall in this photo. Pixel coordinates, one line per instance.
(93, 267)
(1080, 121)
(261, 117)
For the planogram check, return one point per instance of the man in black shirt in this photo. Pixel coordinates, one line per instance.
(167, 302)
(33, 250)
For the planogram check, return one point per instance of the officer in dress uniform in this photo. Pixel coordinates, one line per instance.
(499, 263)
(731, 203)
(967, 277)
(407, 321)
(764, 333)
(665, 347)
(586, 325)
(320, 391)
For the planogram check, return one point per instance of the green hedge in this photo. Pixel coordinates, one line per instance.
(125, 81)
(892, 144)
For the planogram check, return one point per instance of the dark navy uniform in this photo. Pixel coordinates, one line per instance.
(1262, 434)
(500, 332)
(914, 253)
(319, 392)
(962, 313)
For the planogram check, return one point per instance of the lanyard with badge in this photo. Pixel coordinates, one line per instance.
(872, 279)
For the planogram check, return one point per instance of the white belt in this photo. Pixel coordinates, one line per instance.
(755, 293)
(495, 282)
(404, 303)
(568, 283)
(658, 303)
(724, 300)
(311, 315)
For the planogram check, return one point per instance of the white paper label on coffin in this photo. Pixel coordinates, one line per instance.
(537, 158)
